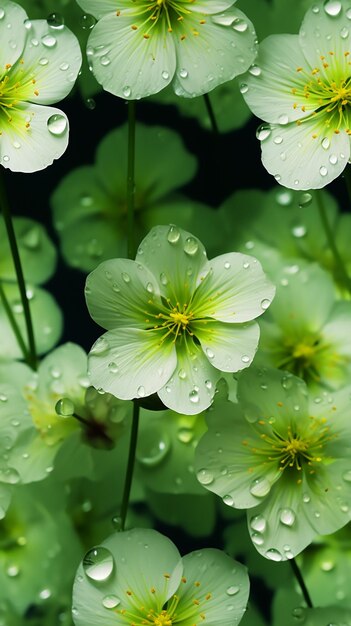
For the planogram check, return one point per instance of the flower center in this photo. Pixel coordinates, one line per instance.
(170, 13)
(172, 321)
(327, 92)
(163, 619)
(13, 91)
(302, 358)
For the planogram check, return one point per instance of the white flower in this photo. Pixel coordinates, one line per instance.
(38, 66)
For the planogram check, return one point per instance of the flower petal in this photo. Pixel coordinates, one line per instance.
(12, 33)
(325, 35)
(216, 589)
(302, 157)
(211, 51)
(234, 289)
(50, 62)
(117, 294)
(129, 362)
(269, 89)
(176, 257)
(141, 558)
(125, 62)
(230, 347)
(36, 136)
(191, 388)
(98, 8)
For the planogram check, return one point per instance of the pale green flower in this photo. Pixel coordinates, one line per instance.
(138, 577)
(175, 320)
(39, 65)
(306, 331)
(139, 47)
(284, 456)
(302, 89)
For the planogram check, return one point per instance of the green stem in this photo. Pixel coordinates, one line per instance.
(131, 181)
(211, 114)
(296, 571)
(130, 465)
(32, 356)
(341, 272)
(14, 325)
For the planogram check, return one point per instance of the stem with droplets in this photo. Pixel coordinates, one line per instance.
(31, 352)
(297, 573)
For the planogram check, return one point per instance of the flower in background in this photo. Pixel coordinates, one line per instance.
(138, 48)
(139, 577)
(38, 66)
(301, 87)
(284, 456)
(175, 320)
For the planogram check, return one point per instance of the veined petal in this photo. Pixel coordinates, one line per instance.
(237, 474)
(98, 8)
(209, 8)
(234, 289)
(49, 64)
(117, 294)
(34, 138)
(327, 36)
(12, 33)
(211, 51)
(140, 560)
(179, 260)
(269, 91)
(130, 363)
(215, 590)
(129, 58)
(303, 156)
(191, 388)
(229, 347)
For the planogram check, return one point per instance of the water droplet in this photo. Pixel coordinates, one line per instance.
(232, 590)
(265, 303)
(278, 140)
(13, 571)
(194, 396)
(240, 25)
(64, 67)
(64, 407)
(228, 500)
(2, 14)
(306, 498)
(57, 124)
(227, 265)
(274, 555)
(112, 367)
(299, 231)
(205, 477)
(127, 92)
(333, 159)
(125, 277)
(90, 103)
(245, 358)
(191, 246)
(173, 234)
(257, 539)
(87, 21)
(255, 70)
(323, 170)
(105, 60)
(3, 398)
(165, 75)
(98, 564)
(305, 200)
(283, 119)
(185, 435)
(284, 197)
(49, 41)
(208, 384)
(153, 446)
(332, 7)
(327, 566)
(182, 374)
(209, 353)
(6, 158)
(110, 602)
(44, 594)
(287, 382)
(244, 88)
(347, 476)
(325, 143)
(315, 9)
(298, 613)
(258, 523)
(141, 392)
(287, 517)
(263, 132)
(348, 14)
(183, 73)
(344, 33)
(56, 20)
(260, 487)
(100, 346)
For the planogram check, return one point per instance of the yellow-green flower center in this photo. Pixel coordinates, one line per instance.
(16, 87)
(168, 13)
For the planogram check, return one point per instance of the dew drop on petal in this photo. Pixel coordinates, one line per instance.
(194, 396)
(323, 170)
(348, 14)
(56, 20)
(125, 277)
(232, 590)
(245, 358)
(183, 73)
(182, 374)
(210, 353)
(240, 25)
(57, 124)
(325, 143)
(274, 555)
(173, 234)
(283, 119)
(228, 500)
(141, 392)
(64, 407)
(205, 477)
(258, 523)
(332, 7)
(260, 487)
(257, 539)
(191, 246)
(244, 88)
(112, 368)
(287, 517)
(98, 564)
(87, 21)
(255, 70)
(165, 75)
(2, 14)
(153, 446)
(263, 132)
(127, 92)
(265, 304)
(49, 41)
(110, 602)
